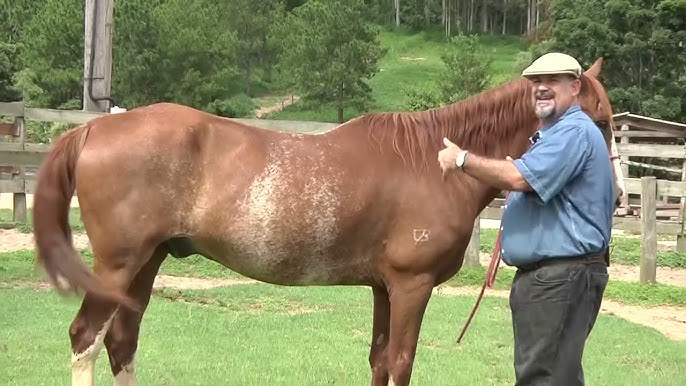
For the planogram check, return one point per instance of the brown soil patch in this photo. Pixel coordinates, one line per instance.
(668, 320)
(192, 283)
(13, 240)
(262, 111)
(665, 275)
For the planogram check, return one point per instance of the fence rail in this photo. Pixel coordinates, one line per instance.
(19, 161)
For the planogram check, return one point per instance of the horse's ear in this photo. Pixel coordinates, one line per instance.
(594, 70)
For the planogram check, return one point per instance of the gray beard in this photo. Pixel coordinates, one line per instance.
(544, 112)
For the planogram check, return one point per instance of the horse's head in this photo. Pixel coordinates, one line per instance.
(595, 102)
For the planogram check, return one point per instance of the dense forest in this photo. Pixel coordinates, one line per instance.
(217, 55)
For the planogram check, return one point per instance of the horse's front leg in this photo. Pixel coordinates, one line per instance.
(378, 353)
(409, 296)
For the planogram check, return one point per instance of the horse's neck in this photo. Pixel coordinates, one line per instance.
(501, 129)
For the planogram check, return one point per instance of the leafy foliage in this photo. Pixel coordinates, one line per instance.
(216, 54)
(51, 57)
(643, 42)
(329, 53)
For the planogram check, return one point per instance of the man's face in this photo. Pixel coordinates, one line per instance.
(554, 94)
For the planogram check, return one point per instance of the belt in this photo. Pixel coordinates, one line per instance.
(594, 258)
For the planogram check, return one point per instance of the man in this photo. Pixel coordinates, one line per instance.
(556, 225)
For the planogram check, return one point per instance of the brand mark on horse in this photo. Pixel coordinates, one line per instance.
(420, 235)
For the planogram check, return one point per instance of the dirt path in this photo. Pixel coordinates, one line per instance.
(191, 283)
(670, 321)
(11, 240)
(665, 275)
(262, 111)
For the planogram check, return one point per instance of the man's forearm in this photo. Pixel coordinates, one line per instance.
(502, 174)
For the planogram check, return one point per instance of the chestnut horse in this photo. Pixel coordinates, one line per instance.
(362, 204)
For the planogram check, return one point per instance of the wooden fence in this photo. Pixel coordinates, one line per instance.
(645, 215)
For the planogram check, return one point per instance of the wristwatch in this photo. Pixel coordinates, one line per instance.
(461, 157)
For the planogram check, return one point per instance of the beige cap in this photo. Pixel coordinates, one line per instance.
(553, 63)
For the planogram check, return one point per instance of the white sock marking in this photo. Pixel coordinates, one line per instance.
(83, 364)
(126, 376)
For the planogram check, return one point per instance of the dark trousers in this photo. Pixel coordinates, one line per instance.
(554, 308)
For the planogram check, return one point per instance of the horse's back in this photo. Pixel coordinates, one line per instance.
(164, 160)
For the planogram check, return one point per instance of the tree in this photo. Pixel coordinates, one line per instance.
(642, 42)
(467, 72)
(51, 56)
(329, 52)
(14, 14)
(251, 21)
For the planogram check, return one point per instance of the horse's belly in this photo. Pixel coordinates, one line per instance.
(287, 227)
(296, 262)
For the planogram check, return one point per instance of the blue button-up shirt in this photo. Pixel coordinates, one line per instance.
(569, 213)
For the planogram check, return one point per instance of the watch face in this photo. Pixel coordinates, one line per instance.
(460, 159)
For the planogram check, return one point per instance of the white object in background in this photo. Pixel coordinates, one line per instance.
(116, 109)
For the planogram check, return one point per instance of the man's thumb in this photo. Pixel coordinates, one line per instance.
(447, 142)
(508, 158)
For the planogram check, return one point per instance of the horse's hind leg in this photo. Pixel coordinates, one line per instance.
(87, 333)
(408, 297)
(378, 353)
(122, 339)
(118, 266)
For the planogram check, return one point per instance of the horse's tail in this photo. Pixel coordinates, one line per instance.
(54, 190)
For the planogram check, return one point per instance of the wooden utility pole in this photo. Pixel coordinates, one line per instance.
(97, 55)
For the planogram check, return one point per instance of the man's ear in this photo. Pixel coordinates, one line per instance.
(576, 86)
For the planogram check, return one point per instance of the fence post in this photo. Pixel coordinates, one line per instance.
(625, 167)
(681, 238)
(19, 211)
(648, 229)
(472, 255)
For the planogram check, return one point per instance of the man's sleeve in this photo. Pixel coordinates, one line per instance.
(554, 160)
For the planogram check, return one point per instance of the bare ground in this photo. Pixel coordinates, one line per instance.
(670, 321)
(262, 111)
(665, 275)
(12, 240)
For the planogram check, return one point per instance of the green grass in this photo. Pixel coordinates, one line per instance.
(413, 59)
(262, 334)
(6, 219)
(269, 100)
(625, 250)
(634, 293)
(17, 268)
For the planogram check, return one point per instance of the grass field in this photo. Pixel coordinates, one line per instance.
(254, 334)
(626, 251)
(413, 59)
(260, 334)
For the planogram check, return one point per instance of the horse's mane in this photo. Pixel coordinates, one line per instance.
(484, 124)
